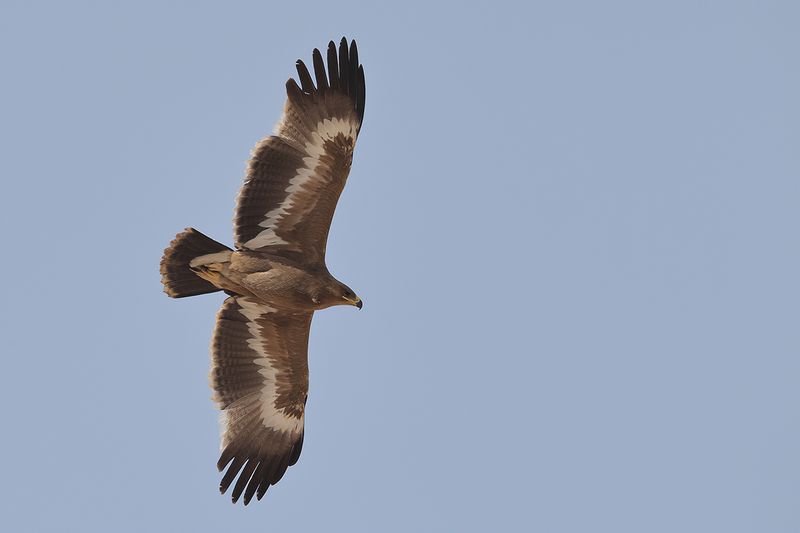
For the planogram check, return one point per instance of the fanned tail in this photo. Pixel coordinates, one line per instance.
(177, 276)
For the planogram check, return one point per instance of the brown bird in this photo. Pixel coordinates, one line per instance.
(276, 276)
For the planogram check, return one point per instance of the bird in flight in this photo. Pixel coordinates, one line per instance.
(275, 276)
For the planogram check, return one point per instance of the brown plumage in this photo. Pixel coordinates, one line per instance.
(276, 276)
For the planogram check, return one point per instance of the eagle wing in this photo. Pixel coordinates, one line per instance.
(259, 375)
(295, 176)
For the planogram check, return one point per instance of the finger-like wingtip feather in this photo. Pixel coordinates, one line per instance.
(353, 68)
(344, 67)
(361, 98)
(230, 475)
(305, 77)
(262, 488)
(319, 70)
(225, 457)
(333, 66)
(293, 90)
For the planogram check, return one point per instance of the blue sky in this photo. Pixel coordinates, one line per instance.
(573, 224)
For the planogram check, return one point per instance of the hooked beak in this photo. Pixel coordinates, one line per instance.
(355, 301)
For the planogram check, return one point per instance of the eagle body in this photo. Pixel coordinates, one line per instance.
(275, 274)
(274, 280)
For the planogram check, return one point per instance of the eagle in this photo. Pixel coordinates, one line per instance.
(275, 275)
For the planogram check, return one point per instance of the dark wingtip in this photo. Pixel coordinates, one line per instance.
(293, 90)
(244, 479)
(353, 69)
(254, 482)
(319, 70)
(344, 74)
(230, 475)
(262, 489)
(333, 66)
(344, 67)
(361, 95)
(225, 457)
(297, 448)
(305, 78)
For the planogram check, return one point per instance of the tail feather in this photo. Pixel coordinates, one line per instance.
(177, 276)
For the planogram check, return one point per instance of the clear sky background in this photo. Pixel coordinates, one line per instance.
(574, 226)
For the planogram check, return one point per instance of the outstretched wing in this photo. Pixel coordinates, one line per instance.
(259, 375)
(295, 176)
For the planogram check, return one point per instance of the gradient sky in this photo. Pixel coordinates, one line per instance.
(574, 226)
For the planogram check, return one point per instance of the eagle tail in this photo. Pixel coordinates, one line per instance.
(176, 273)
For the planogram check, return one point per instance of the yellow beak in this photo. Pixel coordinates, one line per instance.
(355, 301)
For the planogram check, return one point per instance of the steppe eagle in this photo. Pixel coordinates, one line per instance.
(275, 275)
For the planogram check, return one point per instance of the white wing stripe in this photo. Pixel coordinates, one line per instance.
(271, 416)
(326, 130)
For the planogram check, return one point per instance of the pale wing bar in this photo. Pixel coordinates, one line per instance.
(260, 379)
